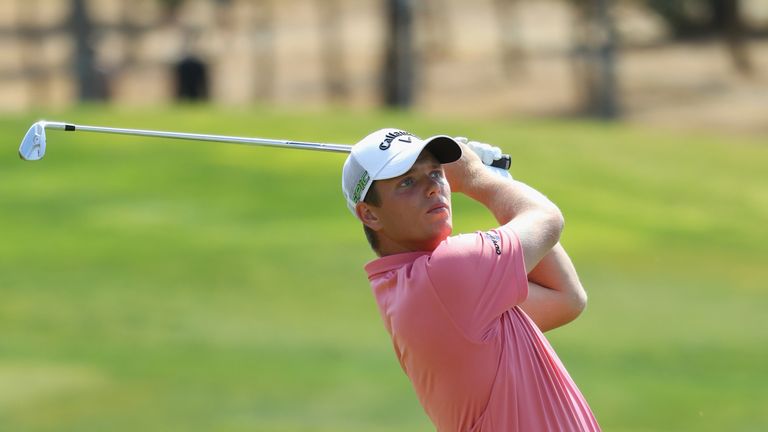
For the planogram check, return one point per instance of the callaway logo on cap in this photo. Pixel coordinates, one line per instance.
(388, 153)
(388, 138)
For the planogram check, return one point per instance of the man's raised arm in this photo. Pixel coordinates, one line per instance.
(555, 294)
(534, 218)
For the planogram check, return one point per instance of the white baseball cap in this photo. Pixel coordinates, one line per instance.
(388, 153)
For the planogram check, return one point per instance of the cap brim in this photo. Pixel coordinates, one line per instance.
(444, 148)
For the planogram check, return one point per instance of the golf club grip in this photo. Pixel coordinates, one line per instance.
(505, 162)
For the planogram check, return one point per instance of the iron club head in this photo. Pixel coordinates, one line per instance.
(32, 147)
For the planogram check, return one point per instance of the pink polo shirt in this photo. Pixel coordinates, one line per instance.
(475, 359)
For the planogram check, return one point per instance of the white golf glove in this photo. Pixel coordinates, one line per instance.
(487, 154)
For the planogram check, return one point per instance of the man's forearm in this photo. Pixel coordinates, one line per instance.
(508, 198)
(556, 271)
(557, 296)
(536, 221)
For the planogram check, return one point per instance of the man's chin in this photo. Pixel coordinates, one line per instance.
(448, 231)
(441, 235)
(448, 227)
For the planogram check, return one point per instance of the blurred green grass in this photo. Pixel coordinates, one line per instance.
(159, 285)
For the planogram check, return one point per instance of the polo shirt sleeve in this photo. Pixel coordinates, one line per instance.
(477, 277)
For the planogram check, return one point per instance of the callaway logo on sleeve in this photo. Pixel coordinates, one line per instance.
(494, 238)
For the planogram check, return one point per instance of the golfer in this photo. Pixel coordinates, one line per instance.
(466, 313)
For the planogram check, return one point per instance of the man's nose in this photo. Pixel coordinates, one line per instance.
(433, 185)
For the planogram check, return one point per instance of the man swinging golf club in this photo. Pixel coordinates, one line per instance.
(466, 313)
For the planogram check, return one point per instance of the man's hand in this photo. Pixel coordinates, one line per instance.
(465, 171)
(488, 154)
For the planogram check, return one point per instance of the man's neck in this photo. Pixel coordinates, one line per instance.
(388, 246)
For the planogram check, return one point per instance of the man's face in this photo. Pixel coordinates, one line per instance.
(415, 208)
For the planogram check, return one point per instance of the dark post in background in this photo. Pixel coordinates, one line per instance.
(85, 68)
(596, 53)
(399, 65)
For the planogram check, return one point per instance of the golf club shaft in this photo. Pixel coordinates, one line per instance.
(339, 148)
(504, 162)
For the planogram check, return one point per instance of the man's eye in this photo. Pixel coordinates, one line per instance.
(437, 174)
(406, 182)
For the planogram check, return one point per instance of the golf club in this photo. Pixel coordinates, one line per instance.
(33, 145)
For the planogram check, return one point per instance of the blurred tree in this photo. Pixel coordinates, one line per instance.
(512, 54)
(332, 46)
(700, 18)
(437, 35)
(727, 19)
(263, 36)
(399, 63)
(190, 72)
(685, 18)
(131, 32)
(595, 58)
(31, 35)
(88, 78)
(170, 7)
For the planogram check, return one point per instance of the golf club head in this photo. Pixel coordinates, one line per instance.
(32, 147)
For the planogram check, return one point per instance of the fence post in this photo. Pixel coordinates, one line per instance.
(399, 67)
(85, 69)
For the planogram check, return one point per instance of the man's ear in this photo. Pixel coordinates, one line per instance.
(368, 215)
